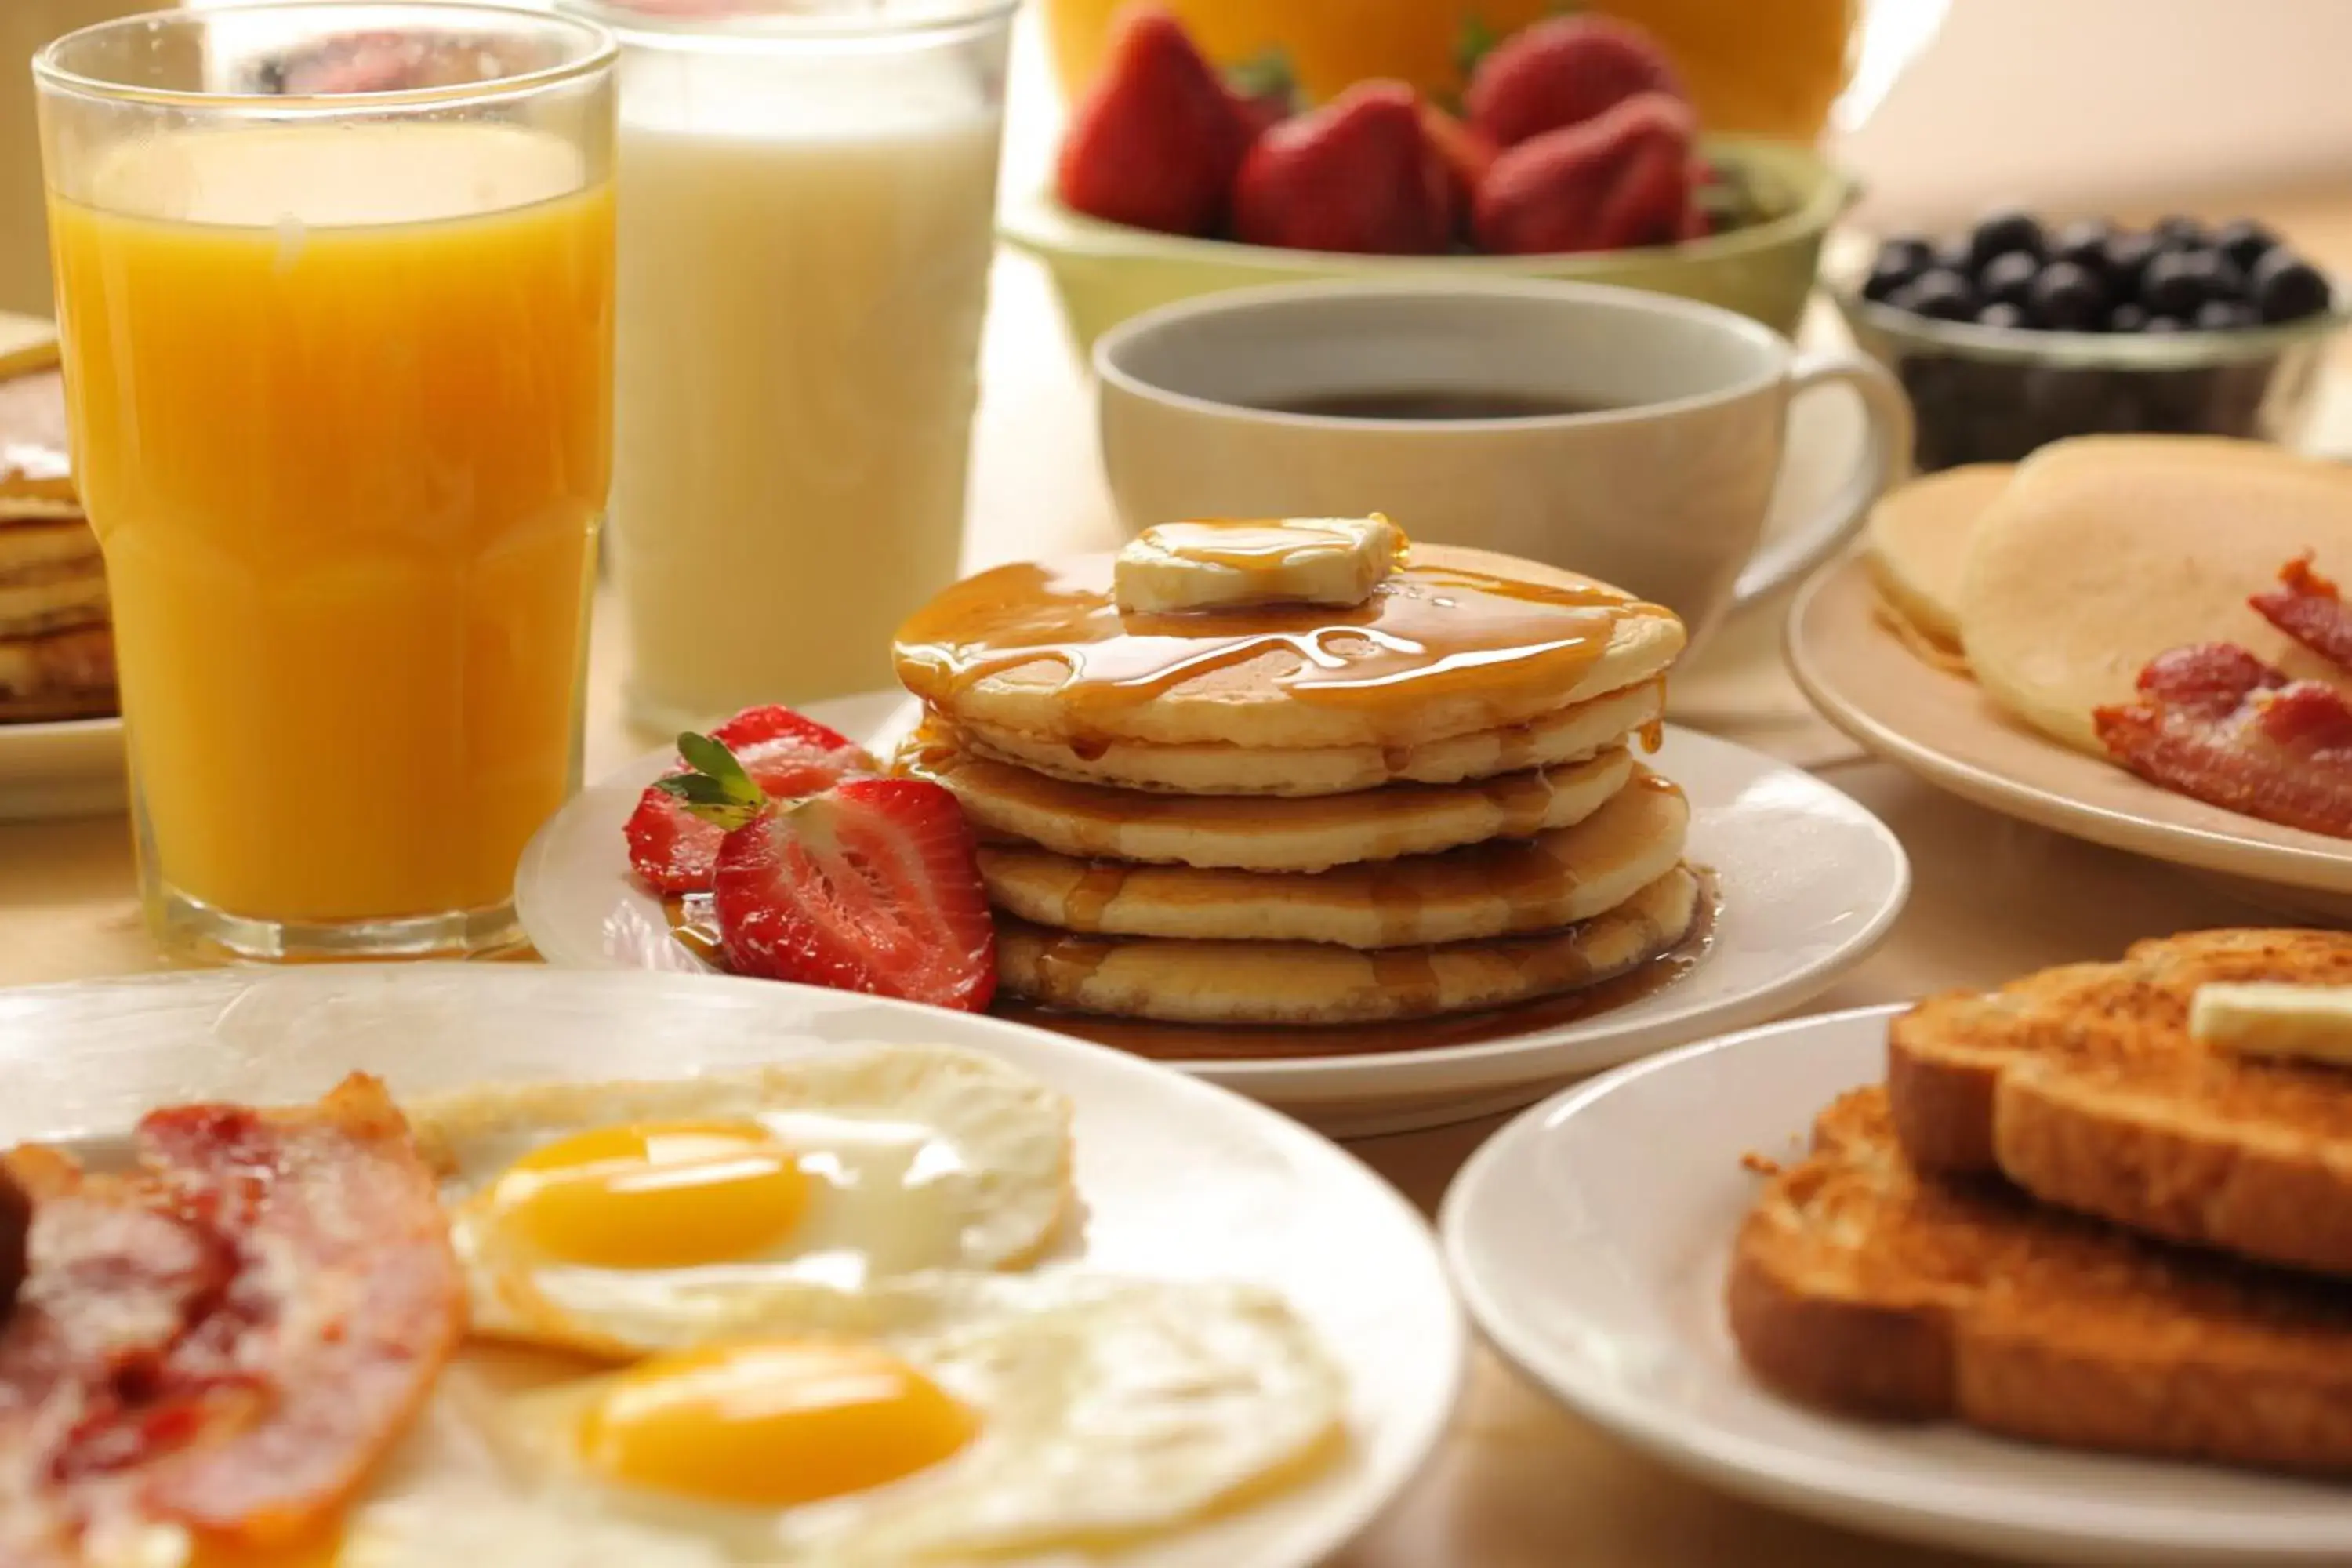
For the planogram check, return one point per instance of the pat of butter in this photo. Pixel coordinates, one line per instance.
(1335, 560)
(2311, 1023)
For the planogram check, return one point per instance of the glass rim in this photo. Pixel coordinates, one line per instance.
(601, 50)
(781, 28)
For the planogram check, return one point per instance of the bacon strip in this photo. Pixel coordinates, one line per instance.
(2216, 723)
(2308, 607)
(230, 1336)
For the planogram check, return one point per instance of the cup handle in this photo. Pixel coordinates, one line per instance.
(1888, 412)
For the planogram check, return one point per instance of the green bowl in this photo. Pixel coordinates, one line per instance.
(1106, 272)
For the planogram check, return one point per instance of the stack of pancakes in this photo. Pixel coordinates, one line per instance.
(1178, 824)
(57, 650)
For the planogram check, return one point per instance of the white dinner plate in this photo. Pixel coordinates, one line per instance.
(1939, 725)
(1176, 1179)
(1590, 1239)
(73, 768)
(1810, 882)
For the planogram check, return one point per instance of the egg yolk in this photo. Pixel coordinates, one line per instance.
(655, 1195)
(771, 1425)
(318, 1548)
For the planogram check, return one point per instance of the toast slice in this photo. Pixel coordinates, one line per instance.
(2083, 1086)
(1864, 1289)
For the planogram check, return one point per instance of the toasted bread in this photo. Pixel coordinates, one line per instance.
(1864, 1287)
(2083, 1086)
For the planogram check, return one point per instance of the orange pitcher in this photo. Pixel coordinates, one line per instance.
(1753, 67)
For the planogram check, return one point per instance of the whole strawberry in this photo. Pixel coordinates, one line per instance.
(1564, 72)
(1357, 175)
(1157, 139)
(1619, 180)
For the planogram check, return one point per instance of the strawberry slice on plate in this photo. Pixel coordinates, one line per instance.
(872, 885)
(786, 754)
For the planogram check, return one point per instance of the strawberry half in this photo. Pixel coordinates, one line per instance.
(873, 886)
(785, 754)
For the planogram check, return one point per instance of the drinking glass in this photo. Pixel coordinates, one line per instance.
(335, 289)
(807, 215)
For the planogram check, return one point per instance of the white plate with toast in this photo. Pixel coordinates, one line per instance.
(1265, 1201)
(1591, 1240)
(1809, 884)
(1938, 724)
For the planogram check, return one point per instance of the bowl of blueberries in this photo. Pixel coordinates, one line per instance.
(2018, 333)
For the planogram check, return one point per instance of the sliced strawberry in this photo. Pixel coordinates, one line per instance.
(873, 886)
(788, 755)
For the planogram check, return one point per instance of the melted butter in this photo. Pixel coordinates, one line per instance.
(1428, 631)
(1257, 547)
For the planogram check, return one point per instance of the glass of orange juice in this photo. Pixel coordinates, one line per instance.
(335, 288)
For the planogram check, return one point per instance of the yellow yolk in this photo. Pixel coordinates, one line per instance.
(315, 1549)
(655, 1195)
(771, 1425)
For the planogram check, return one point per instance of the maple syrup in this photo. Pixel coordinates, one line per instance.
(1429, 630)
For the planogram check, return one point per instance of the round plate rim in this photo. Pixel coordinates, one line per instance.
(1539, 1058)
(2200, 849)
(1957, 1512)
(1037, 1050)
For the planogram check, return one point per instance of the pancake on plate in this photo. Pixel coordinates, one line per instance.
(1217, 784)
(1916, 545)
(57, 647)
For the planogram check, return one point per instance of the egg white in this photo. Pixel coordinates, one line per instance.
(918, 1160)
(1109, 1412)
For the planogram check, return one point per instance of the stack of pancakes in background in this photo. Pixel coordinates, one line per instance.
(1428, 805)
(57, 650)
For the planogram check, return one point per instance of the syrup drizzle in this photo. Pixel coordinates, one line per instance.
(1427, 631)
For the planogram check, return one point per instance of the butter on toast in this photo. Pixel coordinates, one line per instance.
(1864, 1287)
(2084, 1086)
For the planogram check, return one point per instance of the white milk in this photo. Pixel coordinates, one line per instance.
(803, 261)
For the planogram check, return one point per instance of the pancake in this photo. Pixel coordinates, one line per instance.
(59, 675)
(1502, 888)
(1321, 983)
(1918, 540)
(51, 577)
(35, 473)
(1455, 642)
(1260, 834)
(1569, 735)
(2106, 551)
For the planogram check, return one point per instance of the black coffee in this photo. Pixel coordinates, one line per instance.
(1439, 403)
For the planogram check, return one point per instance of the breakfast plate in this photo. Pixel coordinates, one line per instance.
(1263, 1202)
(70, 768)
(1808, 883)
(1940, 726)
(1589, 1240)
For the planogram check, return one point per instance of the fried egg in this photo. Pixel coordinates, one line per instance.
(620, 1218)
(1118, 1412)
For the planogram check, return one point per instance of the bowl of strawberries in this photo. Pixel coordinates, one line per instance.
(1573, 154)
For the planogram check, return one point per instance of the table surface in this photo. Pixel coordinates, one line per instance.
(1518, 1483)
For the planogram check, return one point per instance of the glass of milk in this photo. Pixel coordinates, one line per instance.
(807, 205)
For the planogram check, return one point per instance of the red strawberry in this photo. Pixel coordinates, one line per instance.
(1563, 72)
(1694, 224)
(1622, 180)
(1159, 137)
(786, 756)
(873, 886)
(1468, 153)
(1357, 175)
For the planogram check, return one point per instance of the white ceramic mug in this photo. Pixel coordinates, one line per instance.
(1663, 490)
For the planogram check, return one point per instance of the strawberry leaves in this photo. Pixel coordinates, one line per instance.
(715, 788)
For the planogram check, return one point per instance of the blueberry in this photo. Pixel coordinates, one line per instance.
(2069, 299)
(2178, 281)
(2224, 316)
(2128, 257)
(2127, 318)
(2083, 242)
(2287, 288)
(2008, 278)
(2244, 241)
(1999, 233)
(1955, 256)
(2164, 325)
(2178, 233)
(2005, 314)
(1937, 294)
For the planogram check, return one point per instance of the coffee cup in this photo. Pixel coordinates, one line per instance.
(1632, 436)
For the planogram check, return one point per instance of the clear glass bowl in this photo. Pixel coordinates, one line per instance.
(1990, 394)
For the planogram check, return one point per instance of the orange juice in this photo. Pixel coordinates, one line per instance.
(348, 473)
